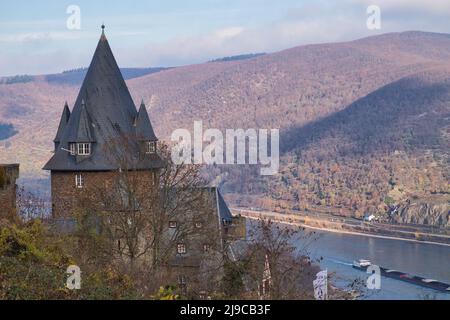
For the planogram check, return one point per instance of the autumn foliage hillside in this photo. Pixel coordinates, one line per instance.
(364, 124)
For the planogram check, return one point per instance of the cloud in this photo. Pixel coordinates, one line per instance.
(312, 23)
(436, 7)
(229, 32)
(31, 37)
(166, 41)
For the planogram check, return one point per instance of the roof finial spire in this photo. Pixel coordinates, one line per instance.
(103, 37)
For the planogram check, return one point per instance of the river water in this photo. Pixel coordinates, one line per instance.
(427, 260)
(339, 250)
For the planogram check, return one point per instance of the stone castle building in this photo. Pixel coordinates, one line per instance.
(86, 156)
(103, 114)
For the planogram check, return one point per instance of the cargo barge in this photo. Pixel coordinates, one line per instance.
(398, 275)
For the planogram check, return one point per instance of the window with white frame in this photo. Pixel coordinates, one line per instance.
(206, 247)
(84, 149)
(72, 148)
(151, 147)
(79, 181)
(172, 224)
(181, 248)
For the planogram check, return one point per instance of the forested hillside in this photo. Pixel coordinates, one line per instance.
(364, 124)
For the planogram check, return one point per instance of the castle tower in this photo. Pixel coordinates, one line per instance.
(103, 114)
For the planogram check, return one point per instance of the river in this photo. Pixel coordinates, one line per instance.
(339, 250)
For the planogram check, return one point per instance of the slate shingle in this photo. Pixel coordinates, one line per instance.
(62, 124)
(108, 113)
(144, 130)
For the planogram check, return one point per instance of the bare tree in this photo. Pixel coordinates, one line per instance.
(31, 206)
(132, 210)
(273, 266)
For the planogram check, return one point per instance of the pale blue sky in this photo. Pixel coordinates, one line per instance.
(34, 38)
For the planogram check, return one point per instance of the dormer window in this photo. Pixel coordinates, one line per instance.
(81, 149)
(84, 149)
(72, 148)
(151, 147)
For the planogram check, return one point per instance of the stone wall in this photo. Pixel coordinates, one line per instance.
(67, 197)
(8, 176)
(199, 267)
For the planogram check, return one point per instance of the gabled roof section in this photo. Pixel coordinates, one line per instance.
(81, 130)
(224, 211)
(103, 112)
(62, 123)
(144, 129)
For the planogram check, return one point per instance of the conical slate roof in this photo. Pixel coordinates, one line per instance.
(144, 130)
(103, 112)
(62, 123)
(82, 129)
(224, 211)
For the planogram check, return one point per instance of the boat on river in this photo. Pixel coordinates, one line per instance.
(364, 264)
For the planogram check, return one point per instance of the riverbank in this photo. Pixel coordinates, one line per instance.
(382, 231)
